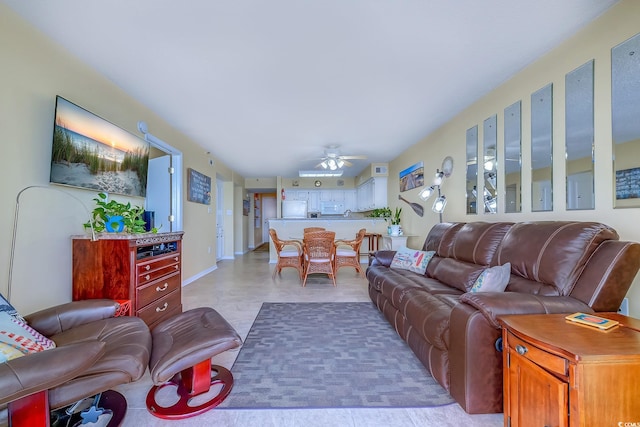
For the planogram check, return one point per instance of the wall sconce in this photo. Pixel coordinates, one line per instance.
(441, 202)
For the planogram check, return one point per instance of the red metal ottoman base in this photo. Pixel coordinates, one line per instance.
(190, 383)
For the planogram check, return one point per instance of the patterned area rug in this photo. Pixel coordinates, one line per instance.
(328, 355)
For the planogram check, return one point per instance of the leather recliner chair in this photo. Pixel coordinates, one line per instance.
(94, 352)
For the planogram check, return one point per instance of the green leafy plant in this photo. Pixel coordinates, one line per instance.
(395, 218)
(381, 213)
(109, 215)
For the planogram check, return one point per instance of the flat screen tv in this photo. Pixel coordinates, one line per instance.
(90, 152)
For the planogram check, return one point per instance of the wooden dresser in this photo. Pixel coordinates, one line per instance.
(142, 268)
(558, 373)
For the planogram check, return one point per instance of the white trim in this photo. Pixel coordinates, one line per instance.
(198, 276)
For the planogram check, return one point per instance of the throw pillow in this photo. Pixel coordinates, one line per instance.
(412, 259)
(18, 339)
(494, 279)
(7, 307)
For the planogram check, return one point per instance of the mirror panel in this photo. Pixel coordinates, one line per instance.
(579, 138)
(542, 149)
(625, 108)
(490, 164)
(472, 169)
(513, 157)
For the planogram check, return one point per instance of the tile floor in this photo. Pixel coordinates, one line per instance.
(237, 289)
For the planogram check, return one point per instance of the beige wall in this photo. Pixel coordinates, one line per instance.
(34, 70)
(594, 42)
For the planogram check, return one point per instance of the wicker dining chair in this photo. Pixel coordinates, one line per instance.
(348, 253)
(319, 254)
(312, 229)
(290, 254)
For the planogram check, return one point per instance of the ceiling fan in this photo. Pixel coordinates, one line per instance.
(333, 160)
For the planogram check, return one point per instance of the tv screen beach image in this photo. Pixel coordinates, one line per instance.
(90, 152)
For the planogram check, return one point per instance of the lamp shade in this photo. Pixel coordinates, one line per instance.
(439, 204)
(426, 193)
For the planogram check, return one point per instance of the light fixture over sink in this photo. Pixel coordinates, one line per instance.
(320, 173)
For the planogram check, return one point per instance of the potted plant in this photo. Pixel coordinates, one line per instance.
(395, 222)
(114, 217)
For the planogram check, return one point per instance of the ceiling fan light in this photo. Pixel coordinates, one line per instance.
(324, 164)
(426, 193)
(340, 163)
(332, 164)
(439, 204)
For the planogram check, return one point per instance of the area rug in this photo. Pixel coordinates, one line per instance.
(328, 355)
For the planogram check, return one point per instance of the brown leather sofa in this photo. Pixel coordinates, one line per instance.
(556, 267)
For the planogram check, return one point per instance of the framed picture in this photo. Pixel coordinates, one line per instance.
(198, 187)
(412, 177)
(92, 153)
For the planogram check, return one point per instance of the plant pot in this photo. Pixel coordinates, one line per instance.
(114, 224)
(395, 230)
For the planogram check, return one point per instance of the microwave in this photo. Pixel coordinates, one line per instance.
(331, 208)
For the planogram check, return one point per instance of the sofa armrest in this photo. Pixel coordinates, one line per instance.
(54, 320)
(382, 258)
(495, 304)
(47, 369)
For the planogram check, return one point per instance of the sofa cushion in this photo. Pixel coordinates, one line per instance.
(458, 274)
(552, 252)
(411, 259)
(428, 315)
(493, 279)
(477, 242)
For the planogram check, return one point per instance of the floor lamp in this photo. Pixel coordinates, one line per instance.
(15, 227)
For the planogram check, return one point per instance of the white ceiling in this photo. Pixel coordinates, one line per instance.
(266, 85)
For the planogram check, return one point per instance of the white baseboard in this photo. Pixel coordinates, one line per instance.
(203, 273)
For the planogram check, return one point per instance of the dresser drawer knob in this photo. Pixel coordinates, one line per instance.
(147, 267)
(176, 267)
(147, 277)
(521, 349)
(163, 308)
(176, 258)
(163, 288)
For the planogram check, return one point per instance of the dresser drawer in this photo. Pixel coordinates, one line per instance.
(152, 291)
(161, 308)
(552, 363)
(152, 270)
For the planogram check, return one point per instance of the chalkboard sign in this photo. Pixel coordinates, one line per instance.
(628, 184)
(199, 187)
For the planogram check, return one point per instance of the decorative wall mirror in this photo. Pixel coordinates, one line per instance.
(472, 169)
(579, 138)
(625, 108)
(513, 157)
(542, 149)
(490, 164)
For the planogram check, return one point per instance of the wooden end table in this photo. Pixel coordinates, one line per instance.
(558, 373)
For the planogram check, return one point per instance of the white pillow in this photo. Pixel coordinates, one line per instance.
(19, 339)
(412, 259)
(494, 279)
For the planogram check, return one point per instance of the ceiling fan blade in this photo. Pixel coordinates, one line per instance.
(347, 162)
(353, 157)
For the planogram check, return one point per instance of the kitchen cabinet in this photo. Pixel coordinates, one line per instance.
(143, 268)
(351, 200)
(563, 374)
(372, 194)
(332, 195)
(313, 204)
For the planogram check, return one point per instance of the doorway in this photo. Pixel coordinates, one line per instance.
(219, 219)
(269, 210)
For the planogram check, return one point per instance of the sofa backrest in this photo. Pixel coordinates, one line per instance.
(463, 251)
(584, 260)
(548, 257)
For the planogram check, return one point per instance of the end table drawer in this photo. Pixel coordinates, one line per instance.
(150, 292)
(548, 361)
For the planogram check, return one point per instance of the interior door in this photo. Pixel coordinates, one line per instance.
(269, 210)
(219, 219)
(159, 192)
